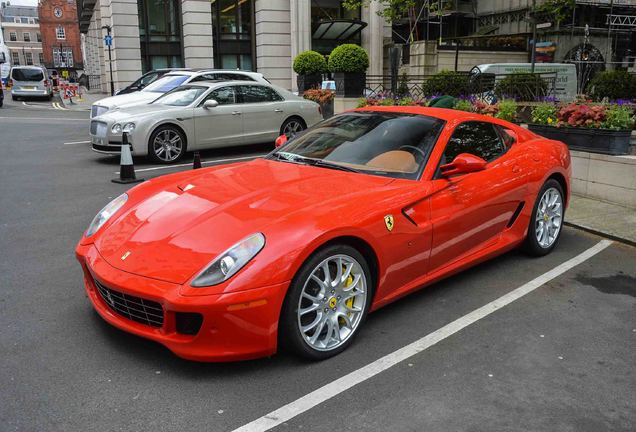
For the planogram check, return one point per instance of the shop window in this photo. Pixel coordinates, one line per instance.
(233, 34)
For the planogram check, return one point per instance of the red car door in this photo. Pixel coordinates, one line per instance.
(470, 211)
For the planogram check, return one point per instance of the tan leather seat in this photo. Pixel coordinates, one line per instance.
(394, 160)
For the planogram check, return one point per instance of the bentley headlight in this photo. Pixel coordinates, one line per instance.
(116, 129)
(105, 214)
(230, 262)
(128, 127)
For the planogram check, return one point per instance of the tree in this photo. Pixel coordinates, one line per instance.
(393, 10)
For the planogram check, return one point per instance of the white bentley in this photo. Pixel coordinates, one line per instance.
(204, 115)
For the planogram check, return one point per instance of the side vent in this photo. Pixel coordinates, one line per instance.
(516, 214)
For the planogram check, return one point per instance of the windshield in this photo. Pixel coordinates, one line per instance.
(166, 83)
(27, 74)
(181, 96)
(390, 144)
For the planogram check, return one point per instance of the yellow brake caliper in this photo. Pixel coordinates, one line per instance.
(349, 301)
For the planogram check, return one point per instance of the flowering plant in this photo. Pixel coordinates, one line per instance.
(481, 107)
(544, 113)
(320, 96)
(575, 115)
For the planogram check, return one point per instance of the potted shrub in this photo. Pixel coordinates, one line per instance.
(613, 85)
(349, 63)
(309, 65)
(522, 87)
(322, 97)
(591, 128)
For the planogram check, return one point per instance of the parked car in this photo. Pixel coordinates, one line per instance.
(293, 250)
(146, 79)
(168, 82)
(204, 115)
(30, 81)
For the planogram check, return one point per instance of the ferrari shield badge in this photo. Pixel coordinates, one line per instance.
(388, 221)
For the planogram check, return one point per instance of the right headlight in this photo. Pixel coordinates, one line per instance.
(105, 214)
(230, 262)
(116, 129)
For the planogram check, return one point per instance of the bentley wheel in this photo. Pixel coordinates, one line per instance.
(166, 145)
(327, 302)
(292, 127)
(546, 221)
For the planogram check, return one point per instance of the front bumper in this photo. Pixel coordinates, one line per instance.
(236, 326)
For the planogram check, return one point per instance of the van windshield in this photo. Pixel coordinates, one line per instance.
(27, 75)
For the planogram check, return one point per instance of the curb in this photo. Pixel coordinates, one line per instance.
(600, 233)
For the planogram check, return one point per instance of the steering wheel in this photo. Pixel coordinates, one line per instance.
(420, 151)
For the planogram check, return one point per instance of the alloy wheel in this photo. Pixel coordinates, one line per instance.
(292, 127)
(168, 145)
(332, 302)
(549, 217)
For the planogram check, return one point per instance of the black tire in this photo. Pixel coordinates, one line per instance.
(160, 130)
(14, 98)
(1, 102)
(301, 126)
(531, 245)
(290, 336)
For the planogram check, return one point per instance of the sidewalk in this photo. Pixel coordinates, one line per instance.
(83, 104)
(609, 220)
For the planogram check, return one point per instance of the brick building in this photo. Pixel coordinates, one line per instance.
(59, 27)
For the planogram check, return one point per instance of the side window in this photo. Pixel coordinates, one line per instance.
(508, 136)
(148, 79)
(224, 95)
(256, 94)
(477, 138)
(234, 77)
(205, 77)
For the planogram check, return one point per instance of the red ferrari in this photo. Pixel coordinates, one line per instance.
(295, 248)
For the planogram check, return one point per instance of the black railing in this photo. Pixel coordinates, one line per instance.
(523, 87)
(94, 82)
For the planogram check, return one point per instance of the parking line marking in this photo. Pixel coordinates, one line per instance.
(77, 142)
(43, 118)
(202, 163)
(338, 386)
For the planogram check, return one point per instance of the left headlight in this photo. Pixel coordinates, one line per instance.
(116, 129)
(128, 127)
(105, 214)
(231, 261)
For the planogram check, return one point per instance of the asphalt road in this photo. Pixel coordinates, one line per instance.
(560, 358)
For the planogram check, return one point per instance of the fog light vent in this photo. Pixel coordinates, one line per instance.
(189, 323)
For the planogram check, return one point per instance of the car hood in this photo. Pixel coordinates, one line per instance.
(177, 229)
(129, 99)
(133, 112)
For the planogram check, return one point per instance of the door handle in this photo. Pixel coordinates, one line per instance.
(236, 113)
(278, 110)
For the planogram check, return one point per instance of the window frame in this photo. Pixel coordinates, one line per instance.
(437, 174)
(25, 36)
(28, 55)
(15, 58)
(62, 32)
(13, 36)
(237, 97)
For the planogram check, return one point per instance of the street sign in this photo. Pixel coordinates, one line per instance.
(544, 25)
(65, 74)
(108, 40)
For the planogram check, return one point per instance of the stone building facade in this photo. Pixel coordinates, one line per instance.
(21, 34)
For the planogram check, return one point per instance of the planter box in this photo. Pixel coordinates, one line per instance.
(350, 84)
(605, 141)
(327, 109)
(306, 82)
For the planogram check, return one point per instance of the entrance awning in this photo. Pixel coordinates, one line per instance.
(338, 30)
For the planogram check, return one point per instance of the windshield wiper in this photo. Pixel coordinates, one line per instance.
(324, 164)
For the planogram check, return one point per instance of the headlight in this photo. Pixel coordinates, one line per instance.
(116, 129)
(128, 127)
(105, 214)
(231, 261)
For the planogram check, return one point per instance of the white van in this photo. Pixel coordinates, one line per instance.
(565, 86)
(30, 81)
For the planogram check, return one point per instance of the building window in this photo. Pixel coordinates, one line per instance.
(329, 10)
(39, 37)
(15, 57)
(63, 58)
(160, 33)
(13, 36)
(28, 57)
(233, 34)
(16, 20)
(41, 58)
(26, 36)
(24, 20)
(60, 33)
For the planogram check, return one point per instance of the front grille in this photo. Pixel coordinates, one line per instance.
(97, 110)
(134, 308)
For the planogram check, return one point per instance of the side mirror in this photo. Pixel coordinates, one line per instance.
(280, 140)
(210, 103)
(464, 163)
